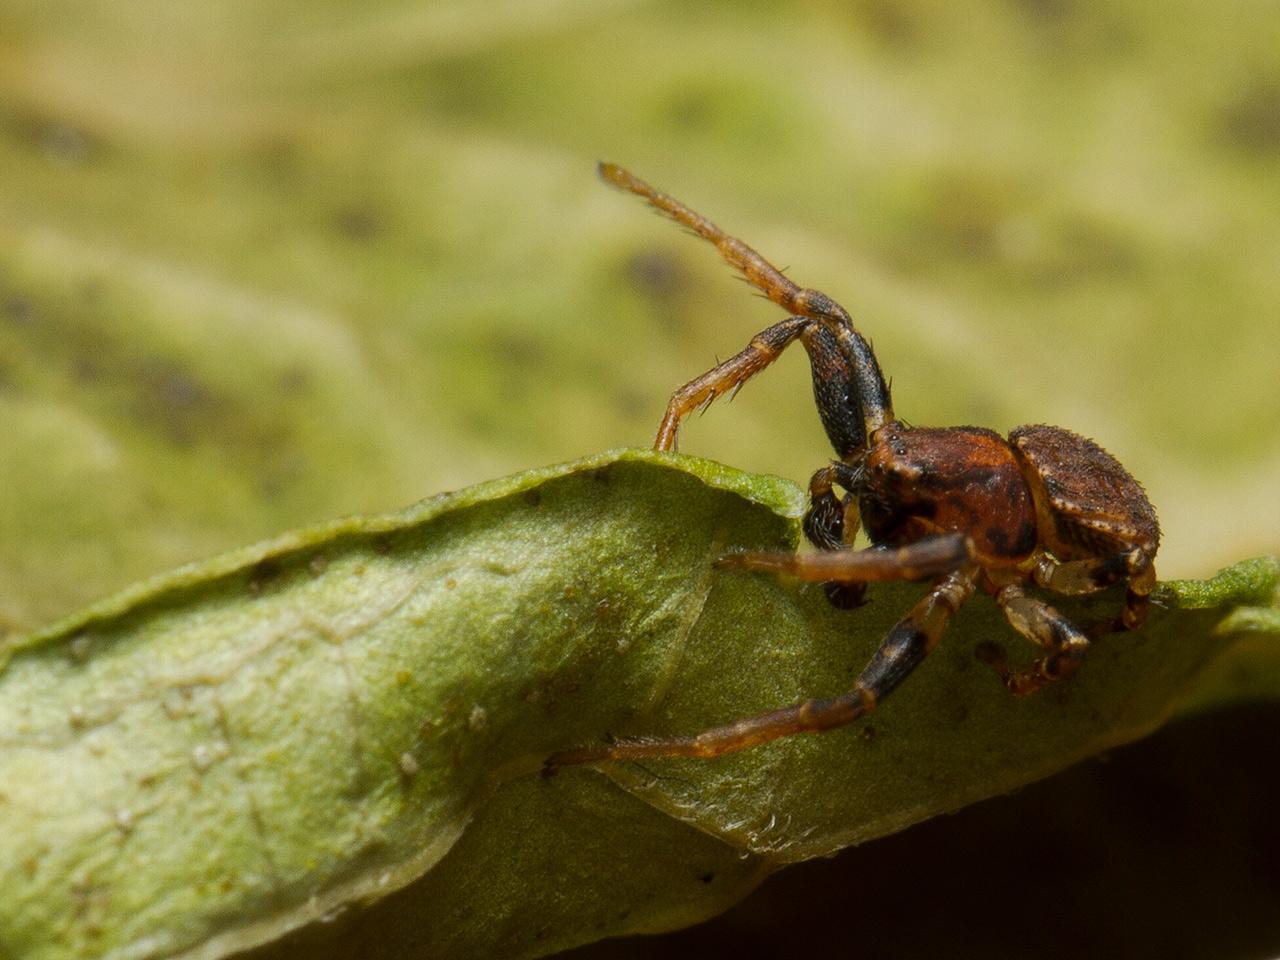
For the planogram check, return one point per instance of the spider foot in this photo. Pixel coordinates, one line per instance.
(994, 656)
(1027, 680)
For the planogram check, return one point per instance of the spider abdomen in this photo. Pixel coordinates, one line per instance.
(1088, 503)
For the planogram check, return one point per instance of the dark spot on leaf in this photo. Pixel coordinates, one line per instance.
(86, 368)
(707, 877)
(168, 396)
(690, 109)
(631, 403)
(516, 350)
(1084, 246)
(65, 144)
(1049, 12)
(18, 311)
(602, 475)
(280, 159)
(1092, 31)
(286, 466)
(1252, 121)
(533, 497)
(712, 106)
(56, 138)
(990, 653)
(295, 380)
(868, 733)
(482, 424)
(360, 223)
(889, 21)
(91, 290)
(657, 275)
(179, 390)
(965, 213)
(381, 543)
(263, 574)
(465, 86)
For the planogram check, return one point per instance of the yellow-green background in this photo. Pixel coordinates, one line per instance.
(262, 264)
(266, 263)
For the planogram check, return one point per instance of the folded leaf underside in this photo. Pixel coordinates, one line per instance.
(358, 713)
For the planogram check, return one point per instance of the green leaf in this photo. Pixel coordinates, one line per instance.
(359, 711)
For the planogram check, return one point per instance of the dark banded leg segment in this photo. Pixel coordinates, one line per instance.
(824, 521)
(832, 524)
(906, 645)
(1137, 599)
(1044, 626)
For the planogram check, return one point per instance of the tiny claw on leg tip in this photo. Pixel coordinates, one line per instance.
(747, 560)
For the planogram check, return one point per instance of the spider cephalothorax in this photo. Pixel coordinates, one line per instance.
(961, 508)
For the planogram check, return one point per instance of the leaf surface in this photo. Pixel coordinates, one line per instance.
(357, 714)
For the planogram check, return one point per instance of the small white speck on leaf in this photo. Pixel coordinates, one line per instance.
(205, 755)
(408, 764)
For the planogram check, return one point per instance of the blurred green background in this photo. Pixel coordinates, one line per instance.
(266, 263)
(262, 264)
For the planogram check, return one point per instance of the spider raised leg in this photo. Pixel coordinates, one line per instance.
(839, 355)
(960, 508)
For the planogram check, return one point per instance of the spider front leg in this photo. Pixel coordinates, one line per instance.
(727, 377)
(921, 560)
(851, 387)
(901, 651)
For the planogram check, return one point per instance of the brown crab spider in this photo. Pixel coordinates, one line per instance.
(960, 508)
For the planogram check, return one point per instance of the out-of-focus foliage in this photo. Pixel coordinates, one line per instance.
(266, 264)
(261, 265)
